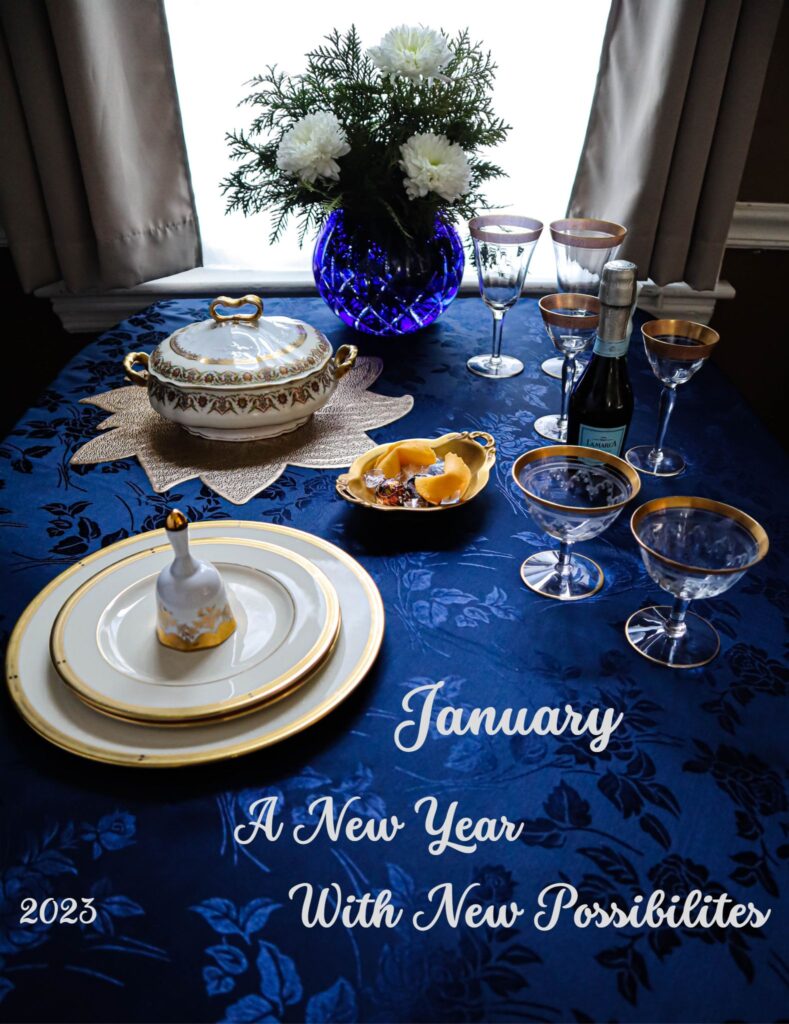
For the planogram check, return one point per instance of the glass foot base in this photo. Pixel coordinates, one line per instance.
(670, 462)
(553, 367)
(487, 366)
(551, 428)
(646, 631)
(540, 573)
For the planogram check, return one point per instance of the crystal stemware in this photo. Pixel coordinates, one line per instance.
(692, 548)
(503, 247)
(573, 494)
(582, 247)
(676, 350)
(571, 322)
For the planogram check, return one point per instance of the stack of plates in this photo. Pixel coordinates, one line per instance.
(87, 673)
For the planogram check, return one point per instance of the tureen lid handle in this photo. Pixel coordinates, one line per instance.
(246, 300)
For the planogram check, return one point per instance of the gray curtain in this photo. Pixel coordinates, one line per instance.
(674, 107)
(94, 179)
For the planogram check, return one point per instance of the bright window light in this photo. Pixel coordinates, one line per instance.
(547, 53)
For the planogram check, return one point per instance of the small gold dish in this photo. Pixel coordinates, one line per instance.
(475, 447)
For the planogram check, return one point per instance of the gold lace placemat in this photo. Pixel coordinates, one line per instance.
(237, 471)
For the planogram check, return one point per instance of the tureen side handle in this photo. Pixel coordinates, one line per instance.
(344, 360)
(136, 376)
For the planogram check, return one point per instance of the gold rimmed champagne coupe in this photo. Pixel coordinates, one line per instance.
(692, 548)
(676, 350)
(573, 494)
(571, 321)
(582, 247)
(503, 247)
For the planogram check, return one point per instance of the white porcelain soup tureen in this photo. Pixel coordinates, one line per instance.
(241, 376)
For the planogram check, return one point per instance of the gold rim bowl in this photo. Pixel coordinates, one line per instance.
(476, 447)
(580, 452)
(707, 338)
(755, 529)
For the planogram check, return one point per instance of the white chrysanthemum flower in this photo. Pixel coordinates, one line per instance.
(311, 148)
(414, 53)
(434, 164)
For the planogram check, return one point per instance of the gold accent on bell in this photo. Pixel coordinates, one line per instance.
(176, 520)
(201, 642)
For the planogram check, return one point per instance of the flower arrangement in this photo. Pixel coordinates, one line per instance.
(393, 133)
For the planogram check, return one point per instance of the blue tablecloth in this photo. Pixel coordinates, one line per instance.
(689, 793)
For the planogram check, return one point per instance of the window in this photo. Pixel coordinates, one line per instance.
(547, 52)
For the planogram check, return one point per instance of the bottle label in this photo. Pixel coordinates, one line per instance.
(609, 439)
(611, 349)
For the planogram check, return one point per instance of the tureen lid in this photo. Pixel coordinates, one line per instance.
(240, 349)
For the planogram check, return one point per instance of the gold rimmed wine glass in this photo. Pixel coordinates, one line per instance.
(573, 494)
(571, 321)
(692, 548)
(676, 350)
(503, 247)
(582, 247)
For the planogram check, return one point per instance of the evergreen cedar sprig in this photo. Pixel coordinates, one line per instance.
(378, 114)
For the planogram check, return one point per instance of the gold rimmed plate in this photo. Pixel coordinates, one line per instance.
(55, 712)
(476, 447)
(103, 641)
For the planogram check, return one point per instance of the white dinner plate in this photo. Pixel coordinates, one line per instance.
(104, 643)
(55, 712)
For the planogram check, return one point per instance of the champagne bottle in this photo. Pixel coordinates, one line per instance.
(601, 404)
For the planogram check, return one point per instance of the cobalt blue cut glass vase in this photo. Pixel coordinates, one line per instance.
(381, 282)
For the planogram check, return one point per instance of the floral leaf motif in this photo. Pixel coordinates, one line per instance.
(53, 862)
(742, 960)
(230, 958)
(335, 436)
(613, 864)
(565, 805)
(663, 941)
(279, 979)
(122, 906)
(631, 970)
(336, 1005)
(217, 983)
(401, 885)
(255, 914)
(622, 793)
(220, 914)
(541, 832)
(655, 828)
(417, 579)
(250, 1008)
(470, 755)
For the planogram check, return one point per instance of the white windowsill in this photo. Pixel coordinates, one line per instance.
(754, 226)
(87, 313)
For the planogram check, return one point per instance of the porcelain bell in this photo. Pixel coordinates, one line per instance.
(193, 612)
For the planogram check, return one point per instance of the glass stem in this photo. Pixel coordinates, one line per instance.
(563, 563)
(568, 375)
(563, 567)
(668, 396)
(676, 626)
(498, 325)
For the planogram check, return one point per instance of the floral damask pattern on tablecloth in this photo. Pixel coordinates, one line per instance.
(689, 793)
